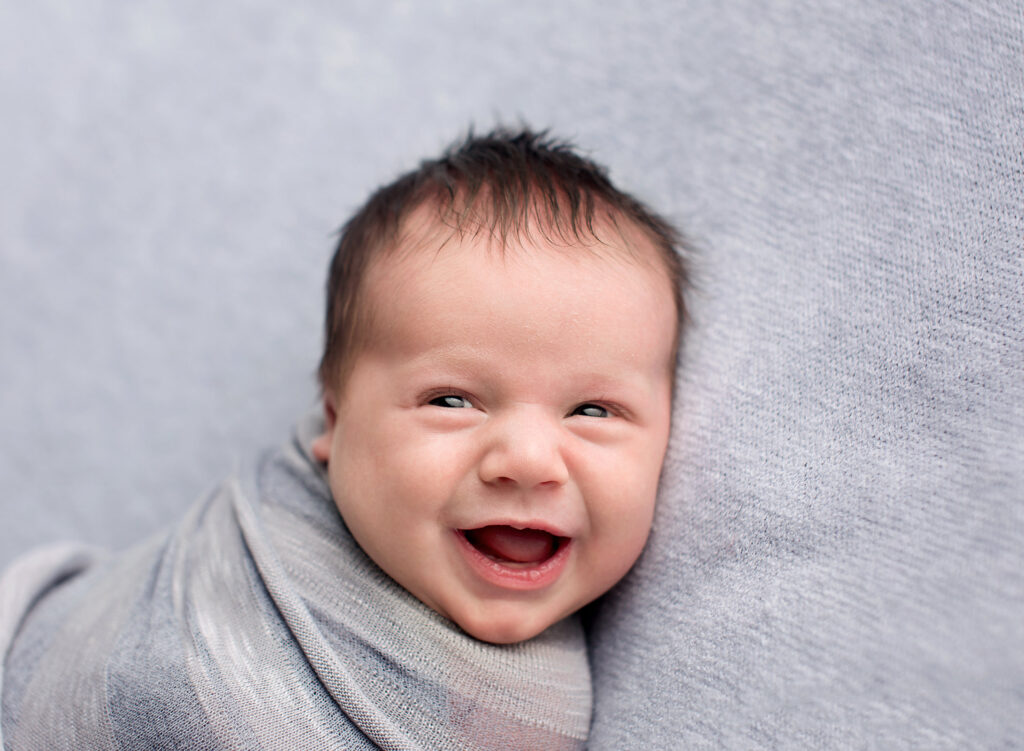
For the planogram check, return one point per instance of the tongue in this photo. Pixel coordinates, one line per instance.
(510, 544)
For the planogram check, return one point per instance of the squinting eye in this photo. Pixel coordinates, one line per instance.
(451, 401)
(591, 410)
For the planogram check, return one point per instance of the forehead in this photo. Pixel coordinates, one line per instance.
(532, 295)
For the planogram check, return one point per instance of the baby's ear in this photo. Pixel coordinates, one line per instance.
(321, 446)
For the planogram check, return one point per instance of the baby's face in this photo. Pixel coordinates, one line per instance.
(496, 447)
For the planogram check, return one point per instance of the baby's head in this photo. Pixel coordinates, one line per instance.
(497, 379)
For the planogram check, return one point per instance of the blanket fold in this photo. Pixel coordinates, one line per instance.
(258, 623)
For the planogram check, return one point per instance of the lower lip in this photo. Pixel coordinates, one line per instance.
(523, 578)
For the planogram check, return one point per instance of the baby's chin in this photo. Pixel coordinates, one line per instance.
(503, 633)
(508, 623)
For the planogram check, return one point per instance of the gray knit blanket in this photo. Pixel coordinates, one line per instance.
(258, 623)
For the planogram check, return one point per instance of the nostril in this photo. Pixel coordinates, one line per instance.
(510, 483)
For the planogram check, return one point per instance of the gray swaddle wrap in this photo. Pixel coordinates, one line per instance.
(258, 622)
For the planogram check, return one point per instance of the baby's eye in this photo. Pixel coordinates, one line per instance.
(452, 401)
(591, 410)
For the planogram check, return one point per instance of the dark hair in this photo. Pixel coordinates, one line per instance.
(506, 183)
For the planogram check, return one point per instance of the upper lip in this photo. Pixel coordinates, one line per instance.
(543, 526)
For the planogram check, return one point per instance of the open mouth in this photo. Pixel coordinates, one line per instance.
(514, 547)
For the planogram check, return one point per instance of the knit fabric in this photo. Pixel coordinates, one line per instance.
(837, 560)
(259, 623)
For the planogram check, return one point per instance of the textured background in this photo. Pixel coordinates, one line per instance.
(837, 556)
(173, 174)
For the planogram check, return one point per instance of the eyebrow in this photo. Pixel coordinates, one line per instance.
(468, 365)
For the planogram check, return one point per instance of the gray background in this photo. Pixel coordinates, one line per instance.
(837, 556)
(173, 174)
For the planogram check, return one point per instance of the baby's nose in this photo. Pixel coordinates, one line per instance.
(525, 448)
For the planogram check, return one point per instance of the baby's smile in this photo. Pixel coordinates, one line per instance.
(508, 545)
(515, 559)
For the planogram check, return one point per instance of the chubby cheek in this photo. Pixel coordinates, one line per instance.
(395, 483)
(360, 485)
(620, 507)
(614, 549)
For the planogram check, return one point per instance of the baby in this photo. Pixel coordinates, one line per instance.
(497, 379)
